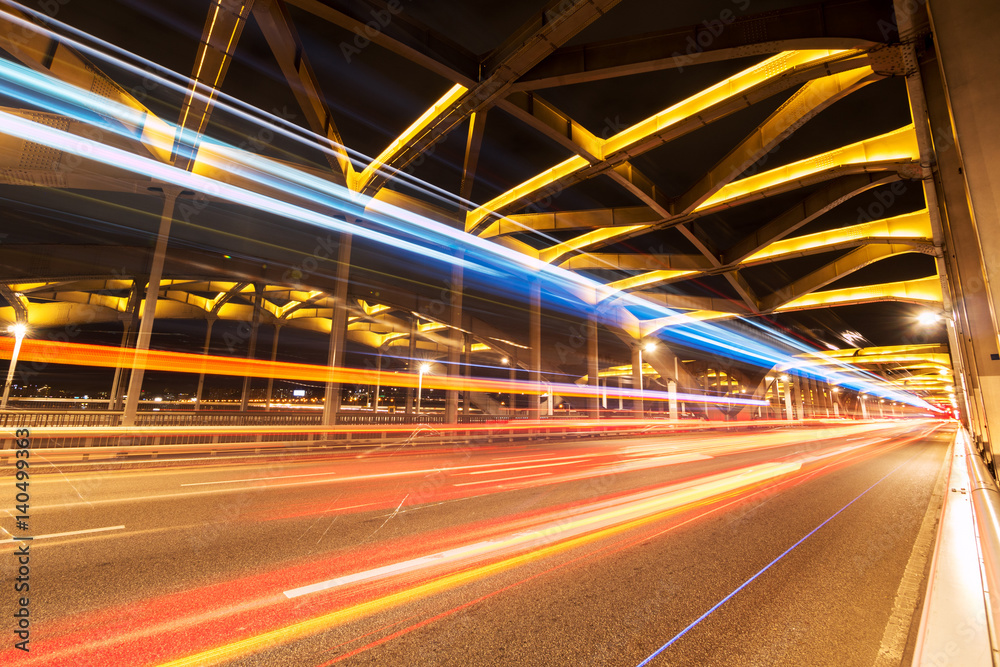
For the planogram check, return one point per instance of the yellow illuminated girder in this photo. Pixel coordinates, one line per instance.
(635, 262)
(31, 286)
(117, 303)
(897, 145)
(648, 279)
(936, 360)
(373, 308)
(930, 348)
(923, 290)
(222, 29)
(553, 253)
(64, 63)
(915, 225)
(533, 184)
(630, 139)
(408, 135)
(570, 220)
(729, 88)
(811, 99)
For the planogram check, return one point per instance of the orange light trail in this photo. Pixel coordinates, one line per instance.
(103, 356)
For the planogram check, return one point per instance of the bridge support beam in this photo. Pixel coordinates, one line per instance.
(204, 350)
(457, 345)
(274, 357)
(149, 306)
(593, 368)
(535, 340)
(258, 297)
(338, 330)
(638, 409)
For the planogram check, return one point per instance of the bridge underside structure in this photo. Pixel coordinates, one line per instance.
(724, 198)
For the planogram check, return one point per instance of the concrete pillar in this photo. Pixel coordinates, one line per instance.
(638, 411)
(338, 330)
(274, 357)
(258, 298)
(672, 398)
(149, 306)
(535, 341)
(593, 368)
(512, 400)
(204, 350)
(457, 337)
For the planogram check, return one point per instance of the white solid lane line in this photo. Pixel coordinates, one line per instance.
(72, 532)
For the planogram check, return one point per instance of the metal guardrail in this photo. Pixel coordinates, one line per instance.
(40, 419)
(985, 498)
(961, 603)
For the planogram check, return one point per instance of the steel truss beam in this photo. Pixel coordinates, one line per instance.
(837, 24)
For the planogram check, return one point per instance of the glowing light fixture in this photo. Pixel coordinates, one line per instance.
(423, 368)
(20, 330)
(928, 318)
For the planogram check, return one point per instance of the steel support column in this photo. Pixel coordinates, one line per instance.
(149, 306)
(131, 320)
(204, 351)
(799, 388)
(338, 330)
(535, 340)
(274, 357)
(258, 297)
(457, 342)
(638, 409)
(411, 363)
(593, 368)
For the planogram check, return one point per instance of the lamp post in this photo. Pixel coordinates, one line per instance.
(19, 330)
(420, 383)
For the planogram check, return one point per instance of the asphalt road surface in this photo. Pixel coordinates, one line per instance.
(779, 547)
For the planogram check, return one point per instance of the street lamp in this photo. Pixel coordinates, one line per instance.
(19, 330)
(423, 368)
